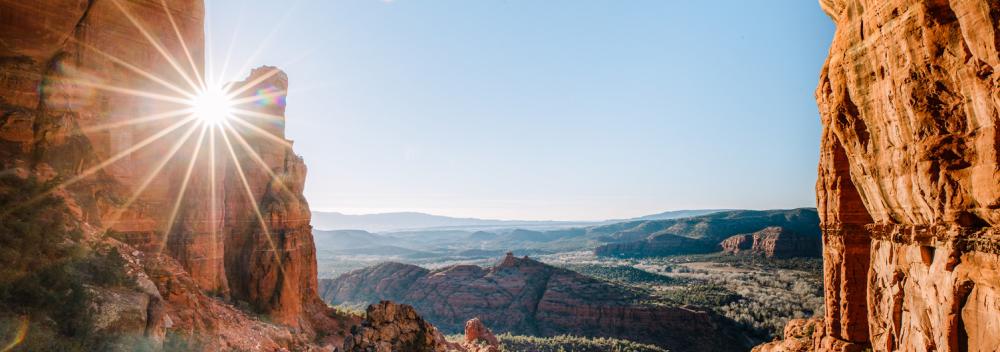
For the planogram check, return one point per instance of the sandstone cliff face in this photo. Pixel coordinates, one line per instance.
(524, 296)
(773, 242)
(81, 86)
(909, 183)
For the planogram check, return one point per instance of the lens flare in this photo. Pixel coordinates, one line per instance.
(19, 335)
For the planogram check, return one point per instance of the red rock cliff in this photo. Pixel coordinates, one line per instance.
(772, 242)
(82, 97)
(909, 183)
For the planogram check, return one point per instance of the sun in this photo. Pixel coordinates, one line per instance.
(212, 105)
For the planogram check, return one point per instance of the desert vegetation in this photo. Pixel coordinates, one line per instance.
(623, 274)
(759, 294)
(565, 343)
(46, 275)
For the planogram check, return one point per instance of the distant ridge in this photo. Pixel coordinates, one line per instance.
(413, 220)
(397, 221)
(675, 214)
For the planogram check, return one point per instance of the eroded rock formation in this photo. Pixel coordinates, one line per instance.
(524, 296)
(479, 338)
(798, 336)
(909, 181)
(773, 242)
(223, 224)
(392, 327)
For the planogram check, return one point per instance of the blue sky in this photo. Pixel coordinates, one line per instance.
(526, 109)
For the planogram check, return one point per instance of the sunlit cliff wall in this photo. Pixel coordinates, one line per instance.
(81, 97)
(909, 184)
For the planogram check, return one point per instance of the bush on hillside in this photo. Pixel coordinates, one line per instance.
(44, 270)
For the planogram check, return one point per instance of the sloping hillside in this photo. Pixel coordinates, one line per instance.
(524, 296)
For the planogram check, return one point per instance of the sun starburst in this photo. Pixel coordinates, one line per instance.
(198, 101)
(212, 105)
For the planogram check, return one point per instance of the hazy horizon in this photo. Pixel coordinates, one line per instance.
(560, 110)
(539, 219)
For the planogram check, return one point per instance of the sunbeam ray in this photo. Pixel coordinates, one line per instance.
(250, 84)
(233, 93)
(129, 122)
(156, 44)
(180, 38)
(90, 171)
(258, 97)
(213, 201)
(183, 190)
(232, 44)
(261, 131)
(129, 91)
(253, 202)
(149, 179)
(256, 157)
(133, 68)
(237, 101)
(262, 44)
(257, 114)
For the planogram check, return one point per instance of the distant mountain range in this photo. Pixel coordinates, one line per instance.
(398, 221)
(673, 214)
(703, 234)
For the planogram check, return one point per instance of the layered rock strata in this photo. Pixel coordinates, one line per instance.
(909, 181)
(773, 242)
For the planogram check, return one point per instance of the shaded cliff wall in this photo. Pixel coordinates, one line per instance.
(909, 184)
(82, 87)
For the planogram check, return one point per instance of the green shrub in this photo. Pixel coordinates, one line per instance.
(33, 228)
(44, 269)
(569, 343)
(623, 274)
(701, 294)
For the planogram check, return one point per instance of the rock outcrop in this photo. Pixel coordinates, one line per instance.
(700, 234)
(908, 188)
(798, 336)
(390, 327)
(526, 297)
(773, 242)
(479, 338)
(218, 216)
